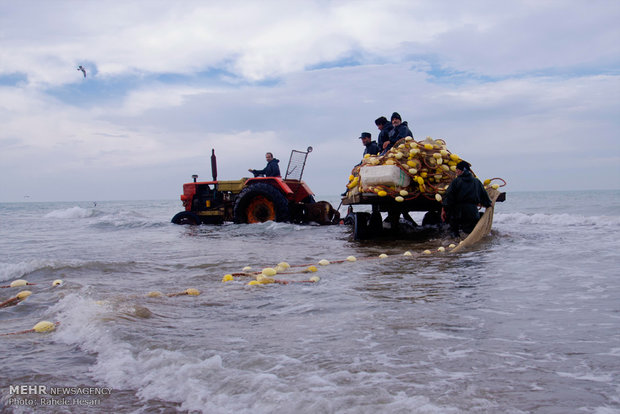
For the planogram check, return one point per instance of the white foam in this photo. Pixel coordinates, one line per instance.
(69, 213)
(10, 271)
(202, 382)
(557, 219)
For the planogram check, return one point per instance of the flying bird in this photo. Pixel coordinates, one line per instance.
(82, 69)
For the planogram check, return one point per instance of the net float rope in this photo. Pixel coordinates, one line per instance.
(41, 327)
(18, 283)
(266, 275)
(21, 296)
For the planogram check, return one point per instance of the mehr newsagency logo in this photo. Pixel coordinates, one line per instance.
(43, 395)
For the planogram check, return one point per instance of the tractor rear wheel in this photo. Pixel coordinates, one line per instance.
(260, 202)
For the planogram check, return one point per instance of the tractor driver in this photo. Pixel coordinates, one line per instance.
(271, 170)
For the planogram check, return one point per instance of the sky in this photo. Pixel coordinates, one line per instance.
(528, 90)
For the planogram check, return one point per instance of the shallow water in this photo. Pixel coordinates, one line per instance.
(526, 321)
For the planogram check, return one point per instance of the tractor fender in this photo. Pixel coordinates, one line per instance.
(276, 182)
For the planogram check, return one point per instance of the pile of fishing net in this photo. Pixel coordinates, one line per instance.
(408, 170)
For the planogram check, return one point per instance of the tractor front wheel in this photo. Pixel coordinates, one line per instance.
(260, 202)
(186, 217)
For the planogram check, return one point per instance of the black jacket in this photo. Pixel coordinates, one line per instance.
(399, 132)
(372, 148)
(271, 170)
(462, 198)
(384, 135)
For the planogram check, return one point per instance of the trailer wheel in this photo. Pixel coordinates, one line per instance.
(361, 229)
(260, 202)
(186, 217)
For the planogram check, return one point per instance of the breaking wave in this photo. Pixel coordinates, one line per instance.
(567, 220)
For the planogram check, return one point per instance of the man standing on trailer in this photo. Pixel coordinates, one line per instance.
(460, 203)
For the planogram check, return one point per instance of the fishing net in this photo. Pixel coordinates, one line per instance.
(418, 169)
(483, 227)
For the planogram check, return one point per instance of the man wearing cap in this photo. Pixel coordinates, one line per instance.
(371, 146)
(461, 201)
(385, 127)
(400, 130)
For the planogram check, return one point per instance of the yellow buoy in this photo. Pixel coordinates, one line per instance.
(452, 245)
(284, 265)
(383, 255)
(404, 193)
(454, 157)
(228, 278)
(351, 259)
(443, 153)
(426, 251)
(428, 146)
(382, 193)
(324, 262)
(366, 155)
(154, 294)
(253, 282)
(413, 171)
(441, 249)
(269, 271)
(399, 199)
(264, 280)
(353, 183)
(57, 282)
(246, 269)
(487, 182)
(18, 283)
(23, 294)
(314, 279)
(192, 292)
(438, 197)
(311, 269)
(44, 326)
(495, 186)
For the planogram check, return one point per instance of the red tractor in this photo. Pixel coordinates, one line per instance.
(254, 200)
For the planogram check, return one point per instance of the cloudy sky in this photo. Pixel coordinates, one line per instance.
(525, 90)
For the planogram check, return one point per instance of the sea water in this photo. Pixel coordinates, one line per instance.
(528, 320)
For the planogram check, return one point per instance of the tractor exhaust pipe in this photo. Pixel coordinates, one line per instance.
(213, 165)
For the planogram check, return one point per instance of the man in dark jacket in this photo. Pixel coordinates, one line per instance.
(271, 170)
(385, 127)
(460, 203)
(371, 146)
(400, 130)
